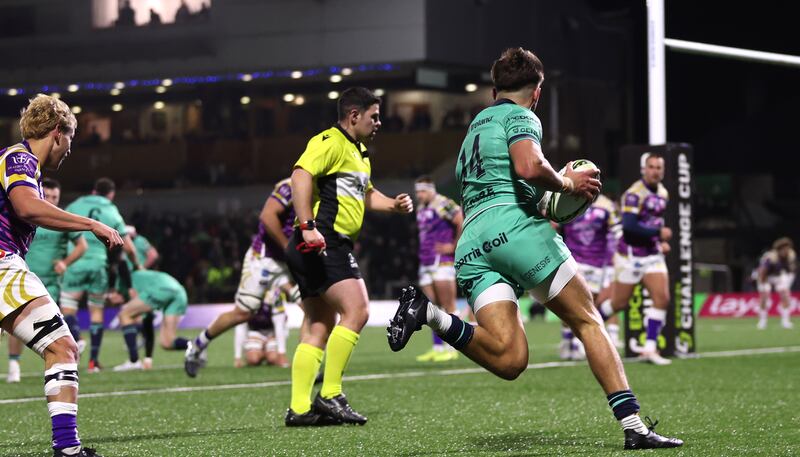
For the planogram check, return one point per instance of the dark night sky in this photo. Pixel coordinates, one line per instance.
(740, 116)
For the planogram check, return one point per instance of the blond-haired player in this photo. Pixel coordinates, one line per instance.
(26, 309)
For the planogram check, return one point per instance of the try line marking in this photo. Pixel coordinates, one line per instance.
(405, 374)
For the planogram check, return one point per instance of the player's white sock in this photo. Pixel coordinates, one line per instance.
(202, 340)
(606, 310)
(785, 313)
(634, 422)
(438, 320)
(613, 331)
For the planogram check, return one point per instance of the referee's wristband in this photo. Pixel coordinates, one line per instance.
(310, 224)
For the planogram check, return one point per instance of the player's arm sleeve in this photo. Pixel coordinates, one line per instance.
(523, 126)
(450, 210)
(631, 204)
(319, 158)
(18, 169)
(283, 194)
(631, 224)
(142, 243)
(117, 222)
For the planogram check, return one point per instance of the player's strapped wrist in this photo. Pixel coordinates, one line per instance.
(567, 185)
(310, 224)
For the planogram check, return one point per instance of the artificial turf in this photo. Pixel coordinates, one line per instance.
(721, 405)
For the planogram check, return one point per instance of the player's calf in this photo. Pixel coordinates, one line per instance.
(41, 327)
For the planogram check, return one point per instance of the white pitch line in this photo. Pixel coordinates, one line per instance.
(404, 374)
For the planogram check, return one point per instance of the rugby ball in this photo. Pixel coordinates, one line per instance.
(562, 208)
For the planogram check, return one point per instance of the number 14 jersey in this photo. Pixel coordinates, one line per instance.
(484, 169)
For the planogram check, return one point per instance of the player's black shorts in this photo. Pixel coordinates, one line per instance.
(315, 273)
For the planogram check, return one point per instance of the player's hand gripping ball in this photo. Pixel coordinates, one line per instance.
(561, 207)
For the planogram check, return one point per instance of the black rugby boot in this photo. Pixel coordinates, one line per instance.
(635, 440)
(338, 408)
(410, 315)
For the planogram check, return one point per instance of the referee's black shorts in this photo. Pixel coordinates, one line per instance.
(315, 273)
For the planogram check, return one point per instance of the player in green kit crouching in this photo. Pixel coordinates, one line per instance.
(47, 259)
(152, 291)
(507, 247)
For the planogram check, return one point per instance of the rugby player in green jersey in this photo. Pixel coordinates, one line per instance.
(48, 259)
(507, 247)
(150, 291)
(89, 274)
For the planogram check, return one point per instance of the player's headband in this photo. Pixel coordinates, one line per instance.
(643, 160)
(425, 186)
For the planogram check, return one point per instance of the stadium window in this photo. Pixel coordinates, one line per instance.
(126, 13)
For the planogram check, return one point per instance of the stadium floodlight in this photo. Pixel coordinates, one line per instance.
(76, 109)
(297, 74)
(116, 107)
(299, 100)
(247, 77)
(471, 87)
(166, 82)
(288, 98)
(161, 89)
(55, 95)
(119, 85)
(333, 95)
(12, 92)
(379, 92)
(115, 92)
(73, 87)
(158, 105)
(244, 100)
(336, 78)
(347, 71)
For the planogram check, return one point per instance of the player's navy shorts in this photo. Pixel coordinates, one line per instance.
(315, 273)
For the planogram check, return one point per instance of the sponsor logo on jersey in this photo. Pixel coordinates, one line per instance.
(480, 122)
(537, 268)
(496, 242)
(483, 195)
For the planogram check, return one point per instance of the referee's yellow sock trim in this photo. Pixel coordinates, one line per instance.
(305, 365)
(340, 347)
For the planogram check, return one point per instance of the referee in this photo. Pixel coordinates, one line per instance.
(332, 188)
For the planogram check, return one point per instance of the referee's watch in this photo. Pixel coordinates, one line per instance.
(310, 224)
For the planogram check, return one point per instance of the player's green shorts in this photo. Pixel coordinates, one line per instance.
(171, 302)
(53, 286)
(90, 278)
(507, 244)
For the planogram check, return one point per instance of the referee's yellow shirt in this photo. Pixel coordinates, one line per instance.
(341, 171)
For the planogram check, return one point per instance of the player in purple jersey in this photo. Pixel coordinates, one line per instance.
(263, 271)
(26, 309)
(640, 253)
(587, 237)
(263, 337)
(439, 221)
(776, 270)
